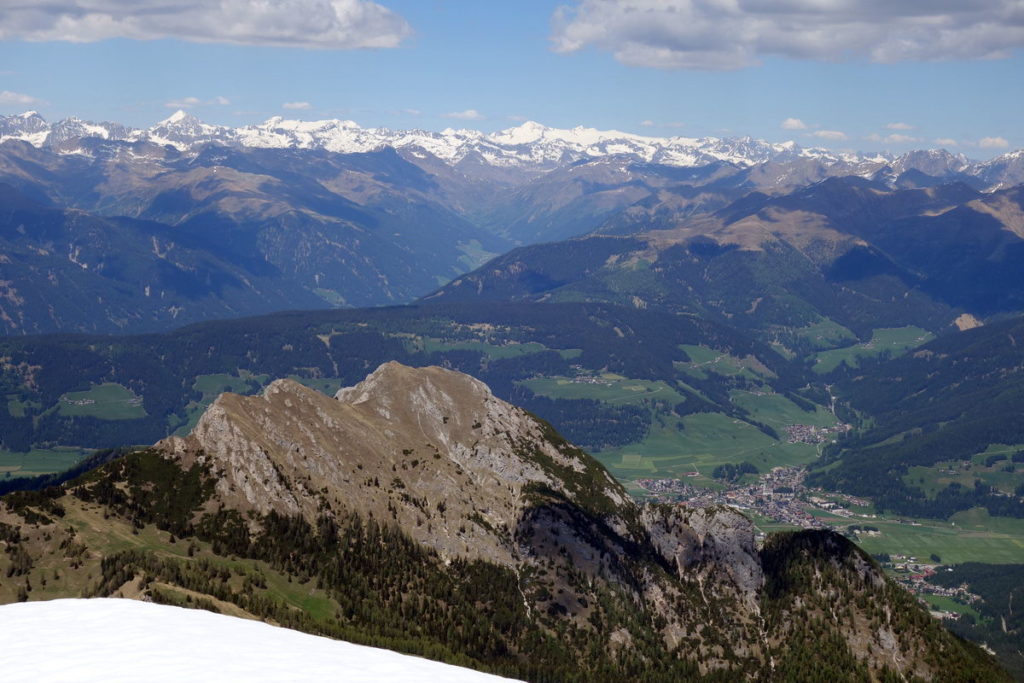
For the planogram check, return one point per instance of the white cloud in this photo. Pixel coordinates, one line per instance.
(468, 115)
(297, 105)
(189, 102)
(647, 123)
(898, 125)
(829, 134)
(412, 112)
(732, 34)
(328, 24)
(900, 139)
(993, 143)
(892, 138)
(793, 124)
(183, 103)
(8, 97)
(946, 142)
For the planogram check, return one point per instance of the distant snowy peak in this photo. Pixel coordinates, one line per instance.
(333, 135)
(530, 146)
(177, 117)
(183, 130)
(29, 126)
(538, 142)
(1003, 171)
(936, 162)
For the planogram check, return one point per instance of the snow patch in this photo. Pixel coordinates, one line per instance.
(108, 640)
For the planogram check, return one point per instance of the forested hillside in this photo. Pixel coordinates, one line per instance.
(502, 344)
(946, 402)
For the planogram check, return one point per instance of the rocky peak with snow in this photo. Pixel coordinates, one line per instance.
(183, 131)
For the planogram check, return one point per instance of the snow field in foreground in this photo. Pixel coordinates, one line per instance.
(110, 640)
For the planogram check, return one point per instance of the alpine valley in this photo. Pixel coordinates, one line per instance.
(416, 511)
(554, 404)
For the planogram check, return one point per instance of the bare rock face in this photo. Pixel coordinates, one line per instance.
(430, 449)
(708, 540)
(437, 454)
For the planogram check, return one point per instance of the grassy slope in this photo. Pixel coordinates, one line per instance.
(108, 401)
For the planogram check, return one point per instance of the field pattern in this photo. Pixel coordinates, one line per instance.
(705, 441)
(108, 401)
(895, 340)
(39, 461)
(608, 388)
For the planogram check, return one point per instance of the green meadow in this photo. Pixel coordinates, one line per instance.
(969, 536)
(944, 604)
(1002, 474)
(107, 401)
(608, 388)
(825, 334)
(777, 411)
(212, 386)
(16, 407)
(509, 350)
(705, 441)
(698, 442)
(895, 340)
(704, 360)
(39, 461)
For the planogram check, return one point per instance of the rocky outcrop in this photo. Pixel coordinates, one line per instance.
(429, 449)
(708, 540)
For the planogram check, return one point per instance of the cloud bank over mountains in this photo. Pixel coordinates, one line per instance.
(328, 24)
(672, 34)
(733, 34)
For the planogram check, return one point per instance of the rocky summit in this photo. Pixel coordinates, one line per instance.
(417, 511)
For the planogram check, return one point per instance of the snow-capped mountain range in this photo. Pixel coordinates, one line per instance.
(530, 145)
(523, 152)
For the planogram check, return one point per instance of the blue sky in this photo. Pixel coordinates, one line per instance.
(866, 75)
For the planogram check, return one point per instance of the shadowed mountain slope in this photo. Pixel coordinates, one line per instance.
(846, 249)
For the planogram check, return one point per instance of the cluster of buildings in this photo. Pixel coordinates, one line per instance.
(584, 376)
(914, 575)
(812, 433)
(589, 379)
(779, 495)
